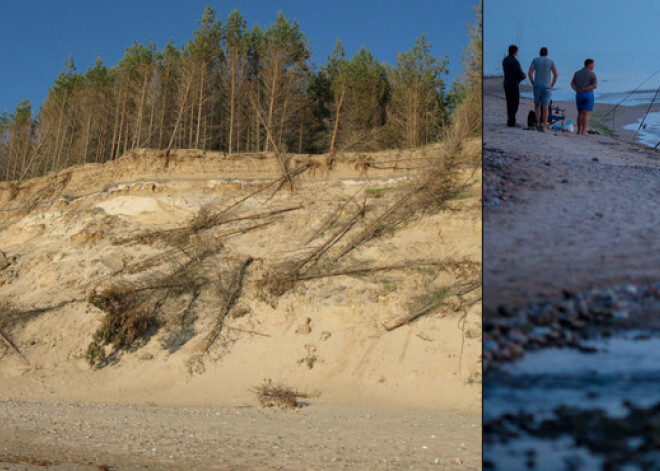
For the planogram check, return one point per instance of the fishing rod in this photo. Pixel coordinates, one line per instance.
(647, 112)
(626, 97)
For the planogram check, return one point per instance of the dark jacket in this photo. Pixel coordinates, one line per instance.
(512, 71)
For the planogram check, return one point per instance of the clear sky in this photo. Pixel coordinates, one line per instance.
(38, 36)
(621, 36)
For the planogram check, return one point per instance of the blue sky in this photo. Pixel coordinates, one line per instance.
(621, 36)
(37, 36)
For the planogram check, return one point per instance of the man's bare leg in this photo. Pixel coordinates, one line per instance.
(585, 122)
(579, 123)
(537, 110)
(545, 118)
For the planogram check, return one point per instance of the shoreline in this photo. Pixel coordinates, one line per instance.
(563, 213)
(624, 114)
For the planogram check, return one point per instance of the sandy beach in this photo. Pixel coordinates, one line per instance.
(564, 212)
(380, 392)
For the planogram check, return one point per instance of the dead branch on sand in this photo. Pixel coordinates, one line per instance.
(371, 229)
(233, 292)
(459, 290)
(13, 348)
(453, 264)
(270, 395)
(280, 160)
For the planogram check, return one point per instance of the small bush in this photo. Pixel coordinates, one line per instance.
(126, 321)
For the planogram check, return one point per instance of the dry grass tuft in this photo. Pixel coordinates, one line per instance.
(277, 281)
(271, 395)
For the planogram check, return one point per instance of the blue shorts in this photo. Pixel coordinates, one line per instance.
(542, 96)
(585, 101)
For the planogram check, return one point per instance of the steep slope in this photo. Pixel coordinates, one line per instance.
(225, 277)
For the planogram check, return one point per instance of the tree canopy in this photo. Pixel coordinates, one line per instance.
(236, 89)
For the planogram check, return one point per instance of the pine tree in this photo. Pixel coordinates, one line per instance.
(283, 52)
(417, 111)
(236, 45)
(205, 49)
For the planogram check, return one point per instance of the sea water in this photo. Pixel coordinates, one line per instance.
(623, 367)
(628, 79)
(649, 134)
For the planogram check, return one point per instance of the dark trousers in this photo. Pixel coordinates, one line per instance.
(512, 94)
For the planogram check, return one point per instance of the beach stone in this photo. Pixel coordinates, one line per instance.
(490, 346)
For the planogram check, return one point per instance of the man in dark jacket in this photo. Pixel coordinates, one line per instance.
(513, 75)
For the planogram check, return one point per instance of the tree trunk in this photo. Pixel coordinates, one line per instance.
(115, 128)
(140, 114)
(232, 98)
(163, 106)
(121, 126)
(336, 126)
(271, 105)
(201, 102)
(58, 137)
(88, 136)
(179, 116)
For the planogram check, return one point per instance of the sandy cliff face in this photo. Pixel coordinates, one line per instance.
(241, 279)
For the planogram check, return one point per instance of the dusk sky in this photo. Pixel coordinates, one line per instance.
(38, 36)
(622, 37)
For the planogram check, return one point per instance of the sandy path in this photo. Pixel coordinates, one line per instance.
(582, 212)
(87, 436)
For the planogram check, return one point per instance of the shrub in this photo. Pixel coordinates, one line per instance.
(126, 320)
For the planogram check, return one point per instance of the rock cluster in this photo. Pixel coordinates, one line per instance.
(565, 322)
(629, 441)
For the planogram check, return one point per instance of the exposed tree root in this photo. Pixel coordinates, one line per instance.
(233, 292)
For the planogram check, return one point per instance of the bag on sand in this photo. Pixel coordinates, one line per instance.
(531, 119)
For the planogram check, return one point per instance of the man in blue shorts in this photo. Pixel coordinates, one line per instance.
(584, 83)
(543, 75)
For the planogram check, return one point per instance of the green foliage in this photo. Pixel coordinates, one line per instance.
(126, 320)
(378, 192)
(418, 113)
(22, 115)
(236, 32)
(387, 285)
(137, 59)
(475, 378)
(469, 84)
(460, 196)
(441, 294)
(223, 88)
(285, 40)
(99, 76)
(205, 46)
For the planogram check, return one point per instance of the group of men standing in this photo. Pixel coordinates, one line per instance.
(543, 77)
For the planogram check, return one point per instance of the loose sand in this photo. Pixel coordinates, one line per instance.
(579, 211)
(69, 233)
